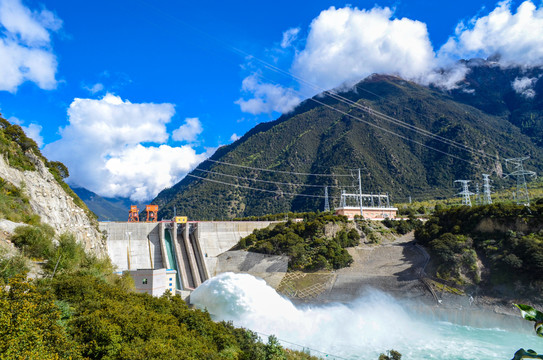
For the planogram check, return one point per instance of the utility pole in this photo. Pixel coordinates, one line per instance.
(487, 199)
(522, 196)
(326, 203)
(466, 199)
(360, 192)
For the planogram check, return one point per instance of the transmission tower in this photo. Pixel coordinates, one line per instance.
(326, 203)
(522, 195)
(466, 199)
(343, 202)
(487, 199)
(477, 195)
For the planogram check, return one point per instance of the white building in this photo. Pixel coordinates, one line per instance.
(154, 281)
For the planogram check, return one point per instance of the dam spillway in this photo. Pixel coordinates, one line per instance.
(193, 248)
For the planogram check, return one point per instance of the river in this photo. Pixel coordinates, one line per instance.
(362, 329)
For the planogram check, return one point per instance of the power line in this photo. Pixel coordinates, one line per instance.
(336, 96)
(277, 171)
(269, 182)
(305, 347)
(278, 192)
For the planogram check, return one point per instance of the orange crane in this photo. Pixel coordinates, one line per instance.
(152, 213)
(133, 214)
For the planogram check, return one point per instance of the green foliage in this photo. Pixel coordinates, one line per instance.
(34, 241)
(11, 266)
(30, 325)
(529, 313)
(15, 145)
(402, 227)
(305, 243)
(14, 205)
(67, 255)
(108, 322)
(391, 355)
(458, 236)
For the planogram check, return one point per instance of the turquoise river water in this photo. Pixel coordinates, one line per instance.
(362, 329)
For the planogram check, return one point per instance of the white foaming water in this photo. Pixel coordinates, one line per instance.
(361, 330)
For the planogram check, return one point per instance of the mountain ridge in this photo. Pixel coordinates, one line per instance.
(314, 138)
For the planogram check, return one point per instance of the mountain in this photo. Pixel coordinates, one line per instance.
(325, 135)
(107, 209)
(32, 191)
(489, 88)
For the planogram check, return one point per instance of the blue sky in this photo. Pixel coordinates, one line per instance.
(132, 95)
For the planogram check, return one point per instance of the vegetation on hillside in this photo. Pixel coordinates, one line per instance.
(507, 239)
(14, 146)
(87, 312)
(315, 139)
(305, 242)
(14, 204)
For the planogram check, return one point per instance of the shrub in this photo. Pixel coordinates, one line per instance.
(35, 241)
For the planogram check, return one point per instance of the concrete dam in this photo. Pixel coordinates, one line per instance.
(196, 250)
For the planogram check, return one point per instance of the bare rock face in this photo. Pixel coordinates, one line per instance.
(55, 207)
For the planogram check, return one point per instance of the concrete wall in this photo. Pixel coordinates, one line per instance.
(217, 237)
(142, 246)
(212, 239)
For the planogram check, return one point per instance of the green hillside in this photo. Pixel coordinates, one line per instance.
(317, 139)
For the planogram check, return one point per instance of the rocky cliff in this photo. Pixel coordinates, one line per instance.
(55, 207)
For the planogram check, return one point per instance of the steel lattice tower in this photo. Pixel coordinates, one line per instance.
(326, 203)
(522, 196)
(343, 202)
(487, 199)
(466, 199)
(477, 195)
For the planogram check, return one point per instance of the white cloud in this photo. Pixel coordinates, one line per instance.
(96, 88)
(25, 46)
(33, 131)
(105, 146)
(266, 97)
(514, 38)
(346, 45)
(189, 131)
(289, 36)
(234, 137)
(524, 86)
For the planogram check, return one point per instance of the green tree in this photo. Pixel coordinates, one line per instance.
(30, 325)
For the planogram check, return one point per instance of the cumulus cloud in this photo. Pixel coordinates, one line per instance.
(234, 137)
(346, 45)
(289, 36)
(107, 141)
(25, 46)
(525, 86)
(512, 38)
(266, 97)
(189, 131)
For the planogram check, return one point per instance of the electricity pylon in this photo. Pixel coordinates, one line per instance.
(466, 199)
(326, 203)
(522, 196)
(487, 199)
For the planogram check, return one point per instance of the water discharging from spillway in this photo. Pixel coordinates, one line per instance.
(361, 330)
(171, 257)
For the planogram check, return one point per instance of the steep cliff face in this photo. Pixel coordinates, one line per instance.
(55, 207)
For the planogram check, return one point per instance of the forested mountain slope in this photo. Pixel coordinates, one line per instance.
(325, 135)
